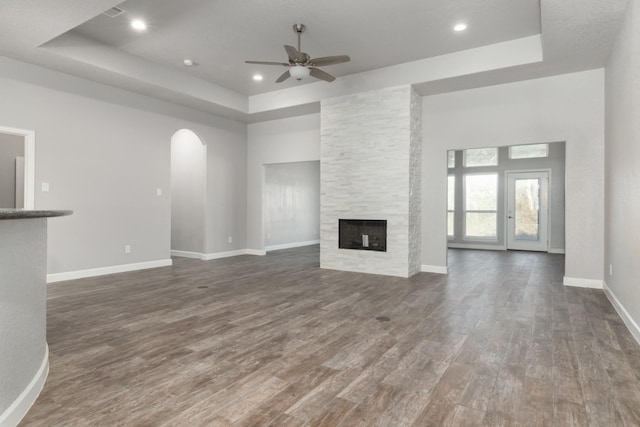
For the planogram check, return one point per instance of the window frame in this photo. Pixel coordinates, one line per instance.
(465, 236)
(451, 236)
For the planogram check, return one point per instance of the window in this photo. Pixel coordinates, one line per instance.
(480, 157)
(480, 204)
(451, 159)
(528, 151)
(451, 203)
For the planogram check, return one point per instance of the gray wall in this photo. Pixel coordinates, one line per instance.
(291, 202)
(11, 146)
(104, 152)
(188, 176)
(568, 107)
(295, 139)
(22, 305)
(555, 162)
(622, 232)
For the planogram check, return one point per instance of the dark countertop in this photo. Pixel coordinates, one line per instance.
(31, 213)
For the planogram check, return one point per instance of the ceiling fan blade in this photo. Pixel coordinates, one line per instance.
(267, 63)
(329, 60)
(294, 55)
(283, 77)
(322, 75)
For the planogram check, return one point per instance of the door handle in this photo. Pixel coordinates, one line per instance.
(510, 217)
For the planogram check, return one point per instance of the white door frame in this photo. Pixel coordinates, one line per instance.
(29, 163)
(545, 231)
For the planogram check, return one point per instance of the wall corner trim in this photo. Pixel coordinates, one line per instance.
(80, 274)
(438, 269)
(582, 283)
(632, 325)
(18, 409)
(291, 245)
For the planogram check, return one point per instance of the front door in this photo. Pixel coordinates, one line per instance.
(527, 211)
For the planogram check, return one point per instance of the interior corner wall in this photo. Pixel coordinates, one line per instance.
(568, 108)
(622, 232)
(294, 139)
(104, 152)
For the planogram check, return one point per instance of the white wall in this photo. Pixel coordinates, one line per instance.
(188, 192)
(291, 203)
(622, 232)
(566, 108)
(295, 139)
(104, 152)
(11, 146)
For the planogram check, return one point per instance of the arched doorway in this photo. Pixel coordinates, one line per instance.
(188, 189)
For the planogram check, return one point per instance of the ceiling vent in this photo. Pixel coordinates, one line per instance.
(113, 12)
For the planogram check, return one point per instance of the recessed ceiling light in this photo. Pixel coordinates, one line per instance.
(138, 25)
(460, 27)
(188, 62)
(257, 77)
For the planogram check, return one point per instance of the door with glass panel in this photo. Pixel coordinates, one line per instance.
(527, 211)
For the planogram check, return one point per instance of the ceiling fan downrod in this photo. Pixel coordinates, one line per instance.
(299, 29)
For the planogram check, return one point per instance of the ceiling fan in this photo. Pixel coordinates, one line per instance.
(301, 64)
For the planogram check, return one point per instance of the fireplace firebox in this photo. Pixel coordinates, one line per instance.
(363, 234)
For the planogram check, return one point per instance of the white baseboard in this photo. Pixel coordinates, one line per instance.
(218, 255)
(556, 251)
(632, 325)
(291, 245)
(187, 254)
(19, 408)
(439, 269)
(582, 283)
(80, 274)
(477, 246)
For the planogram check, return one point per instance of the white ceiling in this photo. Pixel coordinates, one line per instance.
(407, 38)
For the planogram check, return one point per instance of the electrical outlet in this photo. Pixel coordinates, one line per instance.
(127, 249)
(230, 239)
(268, 235)
(158, 191)
(45, 187)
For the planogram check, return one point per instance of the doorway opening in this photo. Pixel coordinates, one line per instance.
(528, 211)
(188, 190)
(17, 163)
(507, 198)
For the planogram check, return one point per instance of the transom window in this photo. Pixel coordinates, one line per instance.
(474, 157)
(529, 151)
(451, 159)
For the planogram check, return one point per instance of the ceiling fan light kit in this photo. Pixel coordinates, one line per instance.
(301, 65)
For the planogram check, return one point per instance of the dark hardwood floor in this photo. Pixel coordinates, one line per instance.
(258, 341)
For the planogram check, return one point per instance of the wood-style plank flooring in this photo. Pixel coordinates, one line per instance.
(276, 341)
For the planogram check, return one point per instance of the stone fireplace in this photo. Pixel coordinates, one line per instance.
(370, 171)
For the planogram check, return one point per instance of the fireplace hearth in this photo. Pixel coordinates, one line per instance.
(363, 234)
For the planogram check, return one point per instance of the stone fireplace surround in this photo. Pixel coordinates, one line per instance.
(370, 169)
